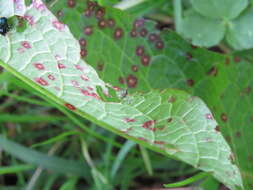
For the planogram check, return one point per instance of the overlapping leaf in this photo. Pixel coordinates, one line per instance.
(172, 122)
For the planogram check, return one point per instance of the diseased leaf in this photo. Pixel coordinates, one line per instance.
(220, 9)
(172, 122)
(11, 8)
(176, 64)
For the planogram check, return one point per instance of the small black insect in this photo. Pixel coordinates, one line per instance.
(4, 26)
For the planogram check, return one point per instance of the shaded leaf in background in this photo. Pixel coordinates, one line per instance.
(172, 122)
(220, 9)
(41, 160)
(201, 30)
(240, 32)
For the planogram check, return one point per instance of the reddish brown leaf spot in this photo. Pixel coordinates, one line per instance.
(190, 82)
(145, 60)
(90, 88)
(87, 93)
(26, 45)
(39, 66)
(213, 71)
(79, 67)
(82, 42)
(224, 117)
(149, 125)
(75, 83)
(41, 81)
(29, 19)
(172, 99)
(228, 139)
(161, 127)
(111, 22)
(102, 24)
(227, 61)
(131, 81)
(139, 50)
(209, 116)
(116, 88)
(91, 4)
(51, 77)
(143, 32)
(160, 142)
(94, 95)
(121, 80)
(70, 106)
(88, 13)
(58, 25)
(153, 37)
(83, 52)
(170, 120)
(88, 30)
(188, 56)
(59, 13)
(238, 134)
(133, 33)
(231, 158)
(118, 33)
(142, 139)
(217, 128)
(138, 23)
(71, 3)
(237, 59)
(129, 120)
(85, 78)
(247, 90)
(61, 66)
(100, 13)
(159, 44)
(100, 67)
(135, 68)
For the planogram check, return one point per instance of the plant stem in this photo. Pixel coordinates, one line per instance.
(188, 181)
(177, 4)
(160, 17)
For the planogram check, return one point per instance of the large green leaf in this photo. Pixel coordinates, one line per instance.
(172, 122)
(220, 9)
(176, 65)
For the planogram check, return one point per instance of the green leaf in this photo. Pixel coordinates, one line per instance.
(69, 184)
(240, 31)
(201, 30)
(15, 169)
(49, 162)
(220, 9)
(172, 122)
(121, 156)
